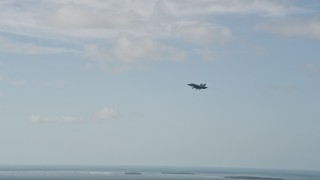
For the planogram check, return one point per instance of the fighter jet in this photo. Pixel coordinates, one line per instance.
(198, 87)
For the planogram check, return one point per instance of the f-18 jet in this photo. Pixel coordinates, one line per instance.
(198, 87)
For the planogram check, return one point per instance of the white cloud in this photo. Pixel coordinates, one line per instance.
(294, 28)
(62, 119)
(129, 48)
(203, 7)
(102, 27)
(20, 82)
(8, 45)
(128, 51)
(106, 113)
(201, 33)
(69, 16)
(83, 17)
(93, 18)
(309, 66)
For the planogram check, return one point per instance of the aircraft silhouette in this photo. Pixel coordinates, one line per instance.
(198, 87)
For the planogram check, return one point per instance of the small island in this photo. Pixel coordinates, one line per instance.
(178, 173)
(252, 177)
(133, 173)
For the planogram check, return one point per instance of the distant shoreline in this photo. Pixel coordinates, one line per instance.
(132, 173)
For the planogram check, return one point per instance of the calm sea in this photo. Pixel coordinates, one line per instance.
(148, 173)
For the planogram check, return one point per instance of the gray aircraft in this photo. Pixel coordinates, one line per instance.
(198, 87)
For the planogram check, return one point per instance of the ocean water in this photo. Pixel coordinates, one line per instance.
(148, 173)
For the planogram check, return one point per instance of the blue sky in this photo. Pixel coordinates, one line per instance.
(105, 82)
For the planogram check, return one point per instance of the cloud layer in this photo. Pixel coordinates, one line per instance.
(122, 34)
(294, 28)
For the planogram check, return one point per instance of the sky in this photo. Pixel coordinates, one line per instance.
(104, 82)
